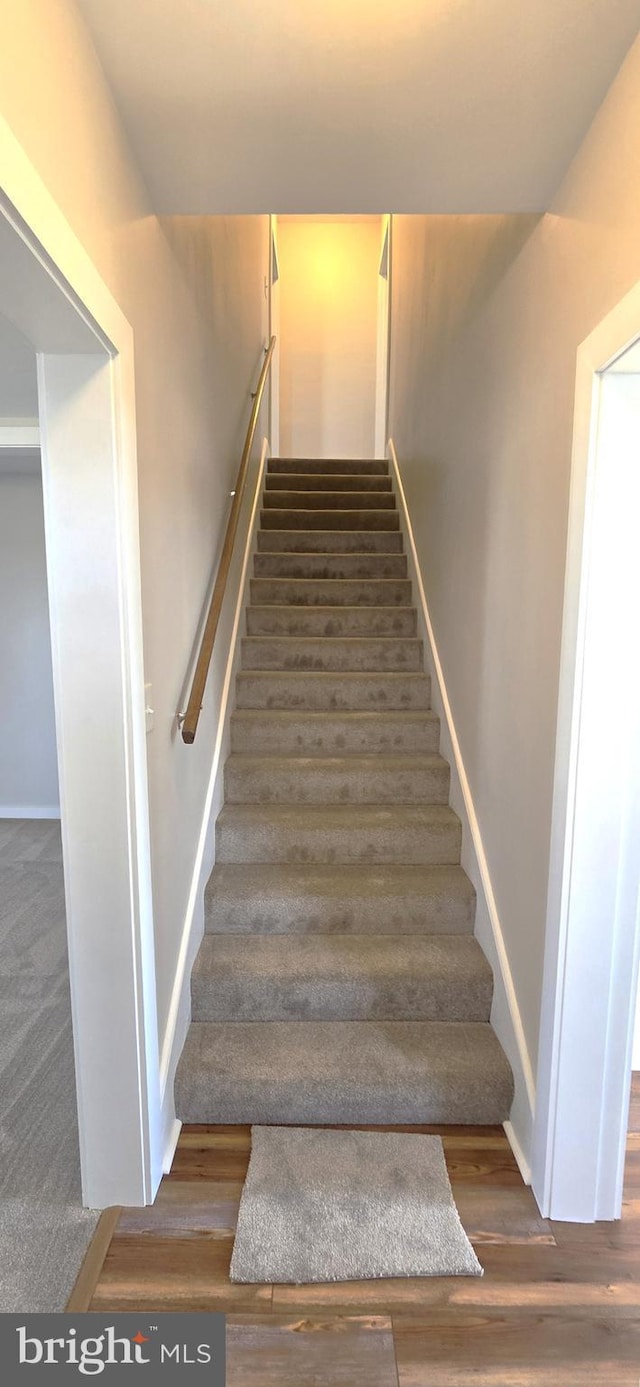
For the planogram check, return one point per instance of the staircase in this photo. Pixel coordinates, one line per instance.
(338, 980)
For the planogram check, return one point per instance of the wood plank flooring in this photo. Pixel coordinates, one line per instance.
(559, 1304)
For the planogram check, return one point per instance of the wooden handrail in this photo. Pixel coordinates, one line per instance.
(194, 706)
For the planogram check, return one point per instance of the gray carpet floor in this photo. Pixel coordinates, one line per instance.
(44, 1230)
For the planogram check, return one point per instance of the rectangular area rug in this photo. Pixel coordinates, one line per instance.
(322, 1205)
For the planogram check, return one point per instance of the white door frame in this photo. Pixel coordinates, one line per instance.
(52, 292)
(592, 941)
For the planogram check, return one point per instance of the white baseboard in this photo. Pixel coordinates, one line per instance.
(170, 1145)
(505, 1015)
(524, 1166)
(179, 1014)
(29, 811)
(19, 433)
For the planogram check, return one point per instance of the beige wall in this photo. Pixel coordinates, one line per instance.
(328, 325)
(193, 293)
(487, 315)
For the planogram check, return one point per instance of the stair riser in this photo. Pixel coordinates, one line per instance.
(329, 500)
(348, 567)
(266, 842)
(331, 900)
(227, 1102)
(308, 785)
(341, 692)
(328, 519)
(302, 736)
(309, 913)
(320, 482)
(427, 999)
(328, 466)
(348, 1073)
(230, 1104)
(323, 621)
(325, 653)
(305, 541)
(316, 592)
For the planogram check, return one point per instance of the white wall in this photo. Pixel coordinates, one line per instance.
(178, 286)
(328, 321)
(18, 385)
(487, 316)
(28, 761)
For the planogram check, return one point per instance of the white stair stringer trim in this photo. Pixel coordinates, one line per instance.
(523, 1162)
(505, 1013)
(172, 1133)
(179, 1014)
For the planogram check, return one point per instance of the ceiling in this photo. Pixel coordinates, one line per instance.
(355, 106)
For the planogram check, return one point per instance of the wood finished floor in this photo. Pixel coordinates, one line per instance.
(559, 1304)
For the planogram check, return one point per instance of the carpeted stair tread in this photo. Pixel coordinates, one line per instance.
(427, 834)
(345, 540)
(319, 1072)
(291, 620)
(341, 978)
(326, 466)
(319, 689)
(345, 566)
(352, 653)
(277, 898)
(330, 734)
(327, 481)
(332, 592)
(328, 518)
(354, 779)
(329, 500)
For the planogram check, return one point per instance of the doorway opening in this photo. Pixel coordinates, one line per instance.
(330, 312)
(45, 1229)
(593, 930)
(54, 298)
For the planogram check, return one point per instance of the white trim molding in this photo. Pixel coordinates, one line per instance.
(522, 1160)
(29, 811)
(171, 1142)
(593, 930)
(19, 433)
(84, 347)
(220, 686)
(505, 1015)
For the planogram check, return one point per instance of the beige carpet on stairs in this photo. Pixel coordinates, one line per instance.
(339, 980)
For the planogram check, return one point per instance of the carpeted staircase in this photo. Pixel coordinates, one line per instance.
(338, 980)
